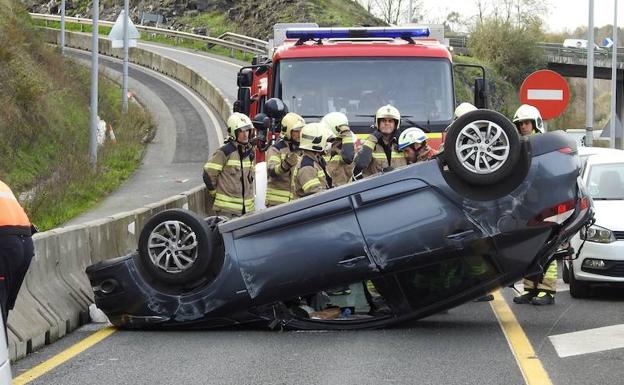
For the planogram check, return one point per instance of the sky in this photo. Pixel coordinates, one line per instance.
(563, 14)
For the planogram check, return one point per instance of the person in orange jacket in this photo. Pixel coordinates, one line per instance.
(16, 248)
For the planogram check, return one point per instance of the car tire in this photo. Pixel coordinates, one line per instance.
(482, 147)
(176, 248)
(578, 289)
(565, 272)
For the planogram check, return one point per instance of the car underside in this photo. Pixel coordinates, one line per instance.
(418, 240)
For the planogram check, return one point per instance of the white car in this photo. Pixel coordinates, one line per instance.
(601, 259)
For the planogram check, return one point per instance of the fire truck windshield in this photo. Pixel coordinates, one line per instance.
(421, 88)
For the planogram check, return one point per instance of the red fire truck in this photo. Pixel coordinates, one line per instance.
(354, 71)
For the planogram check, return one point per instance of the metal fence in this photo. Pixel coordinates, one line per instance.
(232, 41)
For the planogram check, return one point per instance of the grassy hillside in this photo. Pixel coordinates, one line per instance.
(44, 126)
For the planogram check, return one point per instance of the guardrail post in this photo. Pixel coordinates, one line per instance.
(231, 52)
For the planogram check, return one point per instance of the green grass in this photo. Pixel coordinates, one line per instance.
(44, 127)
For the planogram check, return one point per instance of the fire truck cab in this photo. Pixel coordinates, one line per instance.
(355, 71)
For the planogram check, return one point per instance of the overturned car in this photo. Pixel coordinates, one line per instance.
(490, 209)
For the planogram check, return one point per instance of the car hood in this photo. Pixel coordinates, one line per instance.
(609, 214)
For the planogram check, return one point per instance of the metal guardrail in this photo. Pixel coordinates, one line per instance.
(246, 40)
(237, 42)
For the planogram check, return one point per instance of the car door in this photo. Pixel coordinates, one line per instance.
(407, 222)
(303, 252)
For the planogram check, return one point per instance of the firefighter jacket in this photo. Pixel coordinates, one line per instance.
(229, 177)
(377, 156)
(278, 170)
(310, 176)
(426, 154)
(13, 219)
(340, 159)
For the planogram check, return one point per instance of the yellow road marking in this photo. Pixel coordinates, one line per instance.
(530, 366)
(63, 356)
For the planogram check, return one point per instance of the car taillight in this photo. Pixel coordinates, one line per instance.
(567, 150)
(555, 214)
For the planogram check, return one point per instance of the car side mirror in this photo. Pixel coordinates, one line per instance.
(244, 77)
(480, 93)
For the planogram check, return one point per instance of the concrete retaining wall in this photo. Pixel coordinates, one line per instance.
(56, 293)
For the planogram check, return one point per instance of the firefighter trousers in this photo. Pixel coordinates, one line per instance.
(16, 252)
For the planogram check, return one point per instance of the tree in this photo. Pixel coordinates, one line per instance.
(394, 11)
(510, 47)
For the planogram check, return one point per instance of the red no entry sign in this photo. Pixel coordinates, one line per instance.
(547, 91)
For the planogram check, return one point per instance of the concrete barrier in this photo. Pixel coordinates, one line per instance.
(56, 293)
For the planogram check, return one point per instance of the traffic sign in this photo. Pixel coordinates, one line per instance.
(116, 33)
(547, 91)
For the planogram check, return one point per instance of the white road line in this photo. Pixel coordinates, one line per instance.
(589, 341)
(544, 94)
(191, 53)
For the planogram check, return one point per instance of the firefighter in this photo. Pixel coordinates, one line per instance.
(341, 154)
(282, 157)
(379, 152)
(540, 289)
(229, 174)
(16, 248)
(413, 142)
(310, 175)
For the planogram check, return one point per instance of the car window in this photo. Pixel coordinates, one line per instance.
(605, 181)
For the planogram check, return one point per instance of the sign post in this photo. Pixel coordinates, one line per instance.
(547, 91)
(124, 35)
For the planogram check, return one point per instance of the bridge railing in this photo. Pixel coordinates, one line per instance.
(230, 41)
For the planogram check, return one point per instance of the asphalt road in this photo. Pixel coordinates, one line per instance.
(464, 346)
(188, 132)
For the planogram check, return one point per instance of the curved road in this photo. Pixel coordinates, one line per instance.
(189, 131)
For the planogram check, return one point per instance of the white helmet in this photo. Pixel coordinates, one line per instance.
(411, 136)
(313, 137)
(335, 120)
(238, 121)
(528, 112)
(463, 108)
(390, 112)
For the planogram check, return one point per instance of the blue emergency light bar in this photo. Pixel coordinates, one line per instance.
(351, 33)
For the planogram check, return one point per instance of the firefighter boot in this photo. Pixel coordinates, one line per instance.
(543, 298)
(526, 297)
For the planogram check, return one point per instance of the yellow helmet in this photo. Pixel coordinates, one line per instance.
(335, 120)
(290, 122)
(390, 112)
(238, 121)
(464, 108)
(313, 137)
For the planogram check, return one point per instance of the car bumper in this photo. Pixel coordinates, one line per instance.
(611, 253)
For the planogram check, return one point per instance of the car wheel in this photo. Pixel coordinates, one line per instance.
(578, 289)
(565, 272)
(176, 248)
(482, 147)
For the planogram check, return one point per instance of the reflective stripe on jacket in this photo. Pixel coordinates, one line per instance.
(340, 160)
(278, 185)
(374, 157)
(229, 177)
(13, 218)
(308, 177)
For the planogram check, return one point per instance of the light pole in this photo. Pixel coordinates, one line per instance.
(124, 92)
(94, 85)
(589, 95)
(614, 79)
(62, 27)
